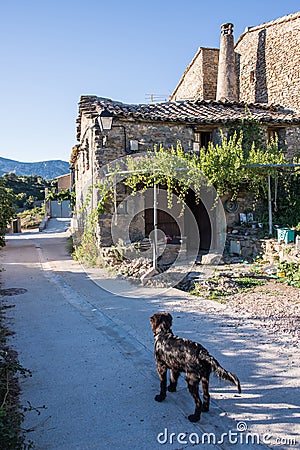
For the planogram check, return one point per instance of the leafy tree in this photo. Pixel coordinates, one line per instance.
(7, 210)
(224, 165)
(28, 189)
(64, 194)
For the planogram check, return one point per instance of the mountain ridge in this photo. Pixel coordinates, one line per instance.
(46, 169)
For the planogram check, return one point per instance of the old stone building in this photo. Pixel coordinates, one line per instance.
(218, 90)
(268, 63)
(267, 66)
(199, 81)
(136, 128)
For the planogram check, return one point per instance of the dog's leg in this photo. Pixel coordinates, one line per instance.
(193, 386)
(206, 396)
(162, 372)
(173, 380)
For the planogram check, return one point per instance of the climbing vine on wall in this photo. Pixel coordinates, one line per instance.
(251, 131)
(225, 166)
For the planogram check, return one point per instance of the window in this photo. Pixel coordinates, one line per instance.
(277, 133)
(201, 139)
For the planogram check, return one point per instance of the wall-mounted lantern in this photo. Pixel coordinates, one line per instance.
(105, 119)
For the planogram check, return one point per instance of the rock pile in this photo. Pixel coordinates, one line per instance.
(130, 267)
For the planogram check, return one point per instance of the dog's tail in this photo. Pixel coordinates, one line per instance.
(224, 374)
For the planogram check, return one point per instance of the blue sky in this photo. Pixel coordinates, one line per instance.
(54, 52)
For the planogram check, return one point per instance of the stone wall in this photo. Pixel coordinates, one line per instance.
(199, 82)
(117, 142)
(268, 63)
(292, 137)
(99, 149)
(245, 204)
(246, 247)
(210, 58)
(275, 252)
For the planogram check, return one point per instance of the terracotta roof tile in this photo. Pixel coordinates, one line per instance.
(188, 111)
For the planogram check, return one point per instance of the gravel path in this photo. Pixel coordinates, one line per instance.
(274, 307)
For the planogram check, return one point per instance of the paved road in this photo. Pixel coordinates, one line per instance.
(91, 354)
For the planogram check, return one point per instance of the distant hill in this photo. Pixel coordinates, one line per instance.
(44, 169)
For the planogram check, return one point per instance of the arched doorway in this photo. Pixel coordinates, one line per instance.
(203, 222)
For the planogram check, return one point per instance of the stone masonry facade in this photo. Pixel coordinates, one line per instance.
(200, 78)
(268, 63)
(267, 66)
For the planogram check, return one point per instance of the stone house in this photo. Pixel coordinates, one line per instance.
(218, 89)
(63, 182)
(138, 127)
(264, 62)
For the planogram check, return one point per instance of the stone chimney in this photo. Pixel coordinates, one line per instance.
(227, 82)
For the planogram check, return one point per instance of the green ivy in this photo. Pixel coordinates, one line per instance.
(225, 166)
(86, 250)
(251, 131)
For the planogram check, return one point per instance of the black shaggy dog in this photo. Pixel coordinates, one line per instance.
(182, 355)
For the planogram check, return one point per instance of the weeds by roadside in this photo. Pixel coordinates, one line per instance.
(70, 245)
(289, 273)
(85, 249)
(11, 412)
(221, 286)
(32, 218)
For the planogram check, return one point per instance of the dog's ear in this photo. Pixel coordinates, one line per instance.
(168, 319)
(154, 321)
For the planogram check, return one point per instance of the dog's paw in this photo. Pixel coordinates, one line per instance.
(205, 408)
(171, 388)
(159, 398)
(194, 417)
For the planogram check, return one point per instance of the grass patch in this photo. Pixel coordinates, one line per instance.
(218, 296)
(249, 282)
